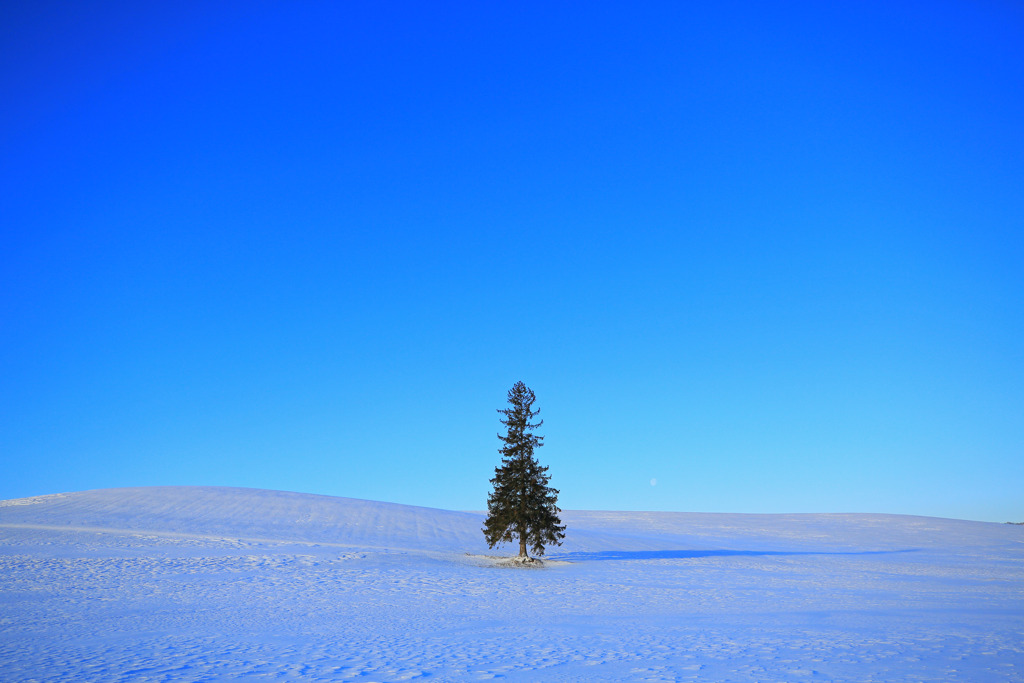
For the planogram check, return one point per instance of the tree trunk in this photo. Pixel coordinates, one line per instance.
(522, 543)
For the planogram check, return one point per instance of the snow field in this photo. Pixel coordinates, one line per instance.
(186, 583)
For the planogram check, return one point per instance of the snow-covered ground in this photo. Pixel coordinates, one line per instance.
(239, 584)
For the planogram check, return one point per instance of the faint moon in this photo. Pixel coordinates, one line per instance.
(654, 482)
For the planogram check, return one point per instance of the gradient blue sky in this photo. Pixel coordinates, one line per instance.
(770, 254)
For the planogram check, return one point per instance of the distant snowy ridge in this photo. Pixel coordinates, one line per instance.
(33, 500)
(253, 514)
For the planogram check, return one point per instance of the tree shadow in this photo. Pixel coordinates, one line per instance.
(625, 555)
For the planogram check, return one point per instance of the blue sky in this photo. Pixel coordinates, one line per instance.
(766, 254)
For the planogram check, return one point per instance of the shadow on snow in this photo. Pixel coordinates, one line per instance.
(692, 554)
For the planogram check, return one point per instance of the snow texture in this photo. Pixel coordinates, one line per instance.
(182, 583)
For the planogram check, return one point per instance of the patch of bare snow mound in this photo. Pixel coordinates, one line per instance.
(514, 561)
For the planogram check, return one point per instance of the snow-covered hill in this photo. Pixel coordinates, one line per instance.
(249, 514)
(187, 583)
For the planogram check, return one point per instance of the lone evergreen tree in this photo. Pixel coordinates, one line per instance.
(522, 505)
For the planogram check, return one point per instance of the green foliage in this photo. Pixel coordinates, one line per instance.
(522, 506)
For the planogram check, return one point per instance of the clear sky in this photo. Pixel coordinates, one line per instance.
(751, 257)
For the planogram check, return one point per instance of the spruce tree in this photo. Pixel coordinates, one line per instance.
(522, 506)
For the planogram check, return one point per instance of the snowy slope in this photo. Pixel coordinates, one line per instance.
(183, 583)
(250, 514)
